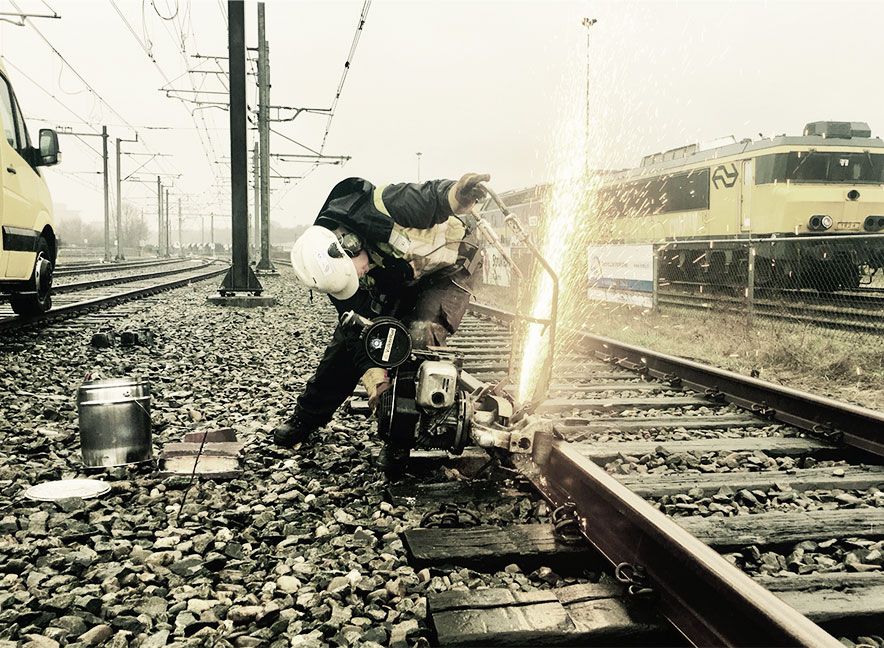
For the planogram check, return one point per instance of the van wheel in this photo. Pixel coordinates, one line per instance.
(40, 299)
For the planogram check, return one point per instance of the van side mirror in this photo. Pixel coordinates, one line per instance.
(49, 153)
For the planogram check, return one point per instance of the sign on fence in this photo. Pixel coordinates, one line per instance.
(621, 273)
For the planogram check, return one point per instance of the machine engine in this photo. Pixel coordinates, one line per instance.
(432, 403)
(425, 408)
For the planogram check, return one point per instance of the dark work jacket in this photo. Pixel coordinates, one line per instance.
(352, 204)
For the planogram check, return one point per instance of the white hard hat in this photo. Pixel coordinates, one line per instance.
(320, 263)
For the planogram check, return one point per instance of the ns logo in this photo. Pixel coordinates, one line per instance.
(724, 176)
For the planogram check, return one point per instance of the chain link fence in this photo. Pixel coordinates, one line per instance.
(808, 312)
(830, 282)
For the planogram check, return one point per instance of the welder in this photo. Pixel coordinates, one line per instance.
(407, 250)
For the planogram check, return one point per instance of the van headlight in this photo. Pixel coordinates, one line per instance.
(819, 222)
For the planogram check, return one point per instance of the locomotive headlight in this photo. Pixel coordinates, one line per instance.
(874, 223)
(819, 222)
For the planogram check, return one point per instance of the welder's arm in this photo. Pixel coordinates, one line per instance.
(418, 205)
(430, 203)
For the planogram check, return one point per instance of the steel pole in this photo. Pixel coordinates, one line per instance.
(750, 283)
(240, 277)
(107, 253)
(159, 217)
(166, 225)
(256, 241)
(119, 207)
(264, 136)
(180, 242)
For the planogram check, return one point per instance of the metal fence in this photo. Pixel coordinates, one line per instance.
(833, 285)
(830, 282)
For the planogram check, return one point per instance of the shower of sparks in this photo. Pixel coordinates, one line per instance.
(578, 212)
(564, 228)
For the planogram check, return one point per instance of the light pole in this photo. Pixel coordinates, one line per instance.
(120, 256)
(419, 165)
(587, 22)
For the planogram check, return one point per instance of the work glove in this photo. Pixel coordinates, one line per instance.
(375, 399)
(376, 383)
(467, 191)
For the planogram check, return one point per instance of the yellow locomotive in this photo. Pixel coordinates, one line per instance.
(813, 207)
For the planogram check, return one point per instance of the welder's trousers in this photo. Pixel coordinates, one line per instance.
(432, 310)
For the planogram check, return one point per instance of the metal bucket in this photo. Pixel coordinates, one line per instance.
(115, 422)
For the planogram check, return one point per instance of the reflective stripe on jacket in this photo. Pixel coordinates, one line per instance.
(406, 222)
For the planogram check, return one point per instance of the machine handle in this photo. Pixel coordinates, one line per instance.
(351, 319)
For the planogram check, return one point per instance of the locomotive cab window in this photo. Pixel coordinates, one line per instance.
(660, 195)
(820, 166)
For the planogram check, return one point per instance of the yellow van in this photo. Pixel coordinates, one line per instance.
(27, 246)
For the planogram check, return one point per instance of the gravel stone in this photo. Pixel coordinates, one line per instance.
(301, 548)
(97, 635)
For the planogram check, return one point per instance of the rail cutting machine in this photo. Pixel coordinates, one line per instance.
(432, 402)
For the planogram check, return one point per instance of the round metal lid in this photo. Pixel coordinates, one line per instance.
(65, 488)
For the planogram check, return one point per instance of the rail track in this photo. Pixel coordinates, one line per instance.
(74, 299)
(68, 269)
(740, 510)
(861, 310)
(743, 512)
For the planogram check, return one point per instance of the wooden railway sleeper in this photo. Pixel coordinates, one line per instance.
(635, 577)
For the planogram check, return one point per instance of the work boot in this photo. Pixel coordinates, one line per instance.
(293, 431)
(393, 460)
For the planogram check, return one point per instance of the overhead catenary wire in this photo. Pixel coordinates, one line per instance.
(147, 49)
(178, 39)
(347, 64)
(76, 73)
(181, 43)
(81, 120)
(72, 68)
(363, 15)
(156, 9)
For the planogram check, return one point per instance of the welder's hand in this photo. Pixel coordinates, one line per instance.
(467, 191)
(375, 398)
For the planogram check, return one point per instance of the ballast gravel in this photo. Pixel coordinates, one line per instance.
(301, 549)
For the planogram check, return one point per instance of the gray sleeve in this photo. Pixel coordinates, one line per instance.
(418, 205)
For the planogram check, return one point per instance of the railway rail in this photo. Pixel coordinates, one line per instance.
(78, 298)
(67, 269)
(861, 310)
(748, 513)
(737, 512)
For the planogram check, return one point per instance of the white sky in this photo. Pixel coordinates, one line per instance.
(474, 86)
